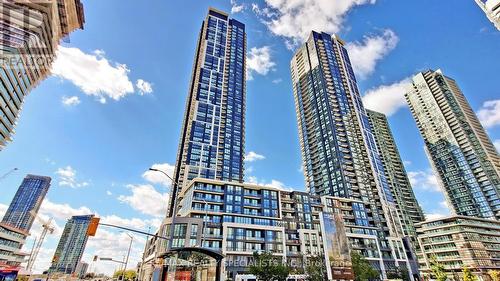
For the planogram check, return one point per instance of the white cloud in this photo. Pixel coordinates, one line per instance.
(44, 257)
(424, 180)
(62, 211)
(113, 244)
(443, 204)
(50, 161)
(497, 144)
(144, 87)
(3, 209)
(442, 211)
(434, 216)
(109, 193)
(70, 101)
(253, 156)
(158, 177)
(107, 242)
(93, 73)
(259, 60)
(67, 177)
(134, 223)
(273, 183)
(235, 8)
(146, 199)
(365, 55)
(387, 99)
(295, 19)
(489, 113)
(277, 81)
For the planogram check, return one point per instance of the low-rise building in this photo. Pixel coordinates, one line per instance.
(238, 219)
(81, 269)
(11, 241)
(457, 242)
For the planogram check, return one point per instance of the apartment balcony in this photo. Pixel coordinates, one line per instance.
(293, 241)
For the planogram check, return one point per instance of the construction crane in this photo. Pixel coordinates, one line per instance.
(47, 227)
(8, 173)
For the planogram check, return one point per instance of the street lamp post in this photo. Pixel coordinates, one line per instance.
(172, 224)
(128, 254)
(141, 271)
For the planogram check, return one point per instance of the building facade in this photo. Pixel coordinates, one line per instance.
(31, 32)
(457, 242)
(409, 210)
(339, 153)
(81, 269)
(11, 241)
(492, 10)
(461, 153)
(71, 245)
(17, 221)
(213, 131)
(238, 219)
(26, 203)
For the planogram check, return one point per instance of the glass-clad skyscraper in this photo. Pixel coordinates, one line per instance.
(339, 153)
(71, 245)
(408, 208)
(460, 151)
(212, 138)
(26, 203)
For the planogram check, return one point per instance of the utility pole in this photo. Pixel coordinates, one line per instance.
(128, 254)
(172, 224)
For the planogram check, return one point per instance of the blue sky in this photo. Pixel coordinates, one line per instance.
(114, 105)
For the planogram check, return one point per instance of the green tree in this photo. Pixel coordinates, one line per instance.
(405, 274)
(315, 268)
(362, 269)
(129, 274)
(22, 278)
(494, 274)
(398, 273)
(467, 274)
(267, 267)
(437, 270)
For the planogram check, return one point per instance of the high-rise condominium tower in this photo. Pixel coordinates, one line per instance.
(18, 219)
(26, 203)
(30, 32)
(461, 154)
(408, 208)
(71, 246)
(339, 153)
(213, 132)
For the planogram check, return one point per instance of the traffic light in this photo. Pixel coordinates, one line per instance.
(95, 258)
(94, 223)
